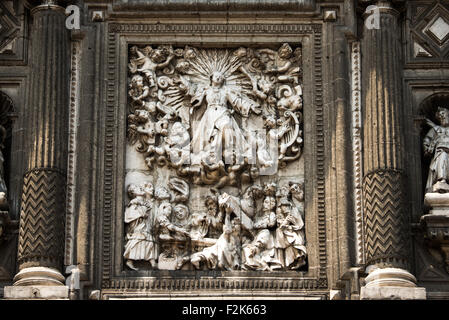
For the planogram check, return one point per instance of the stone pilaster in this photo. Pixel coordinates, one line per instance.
(41, 235)
(386, 226)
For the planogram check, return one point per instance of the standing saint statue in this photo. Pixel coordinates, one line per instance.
(436, 143)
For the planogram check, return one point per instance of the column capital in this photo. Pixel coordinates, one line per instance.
(393, 4)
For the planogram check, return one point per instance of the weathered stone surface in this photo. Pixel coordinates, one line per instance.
(91, 145)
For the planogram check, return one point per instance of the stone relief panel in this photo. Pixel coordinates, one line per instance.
(215, 177)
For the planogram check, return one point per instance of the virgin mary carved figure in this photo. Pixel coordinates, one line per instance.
(217, 128)
(218, 97)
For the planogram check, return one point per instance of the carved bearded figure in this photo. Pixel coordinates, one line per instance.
(140, 243)
(436, 143)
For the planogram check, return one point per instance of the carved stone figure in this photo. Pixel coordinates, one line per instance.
(209, 96)
(166, 229)
(436, 144)
(150, 60)
(225, 253)
(289, 240)
(223, 118)
(217, 126)
(140, 243)
(260, 252)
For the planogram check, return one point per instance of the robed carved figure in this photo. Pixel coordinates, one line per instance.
(436, 144)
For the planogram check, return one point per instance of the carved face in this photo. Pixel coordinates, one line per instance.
(181, 211)
(148, 188)
(286, 208)
(166, 209)
(240, 52)
(162, 194)
(211, 205)
(269, 203)
(137, 81)
(189, 53)
(158, 56)
(182, 66)
(270, 122)
(443, 116)
(134, 191)
(217, 79)
(285, 51)
(236, 225)
(177, 129)
(265, 85)
(297, 191)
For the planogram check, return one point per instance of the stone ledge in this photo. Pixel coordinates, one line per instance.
(214, 5)
(392, 293)
(36, 292)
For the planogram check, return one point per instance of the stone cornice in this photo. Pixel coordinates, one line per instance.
(214, 5)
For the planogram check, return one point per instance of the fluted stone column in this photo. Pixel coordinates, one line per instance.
(41, 235)
(387, 237)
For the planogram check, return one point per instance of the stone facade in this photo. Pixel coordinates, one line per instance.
(224, 149)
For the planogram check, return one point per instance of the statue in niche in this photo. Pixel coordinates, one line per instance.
(436, 144)
(140, 244)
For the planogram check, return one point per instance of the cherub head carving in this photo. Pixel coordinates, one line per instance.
(285, 51)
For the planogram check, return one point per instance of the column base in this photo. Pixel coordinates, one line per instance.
(37, 283)
(391, 284)
(36, 292)
(39, 276)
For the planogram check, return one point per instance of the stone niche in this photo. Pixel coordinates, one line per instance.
(214, 166)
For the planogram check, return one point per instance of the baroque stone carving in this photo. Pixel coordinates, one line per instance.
(436, 144)
(190, 110)
(230, 236)
(219, 118)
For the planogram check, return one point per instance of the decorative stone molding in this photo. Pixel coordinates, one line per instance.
(356, 89)
(41, 237)
(214, 5)
(386, 225)
(72, 150)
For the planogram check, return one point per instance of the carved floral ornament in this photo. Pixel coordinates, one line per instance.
(226, 121)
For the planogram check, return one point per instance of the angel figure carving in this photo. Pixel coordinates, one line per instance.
(217, 129)
(436, 143)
